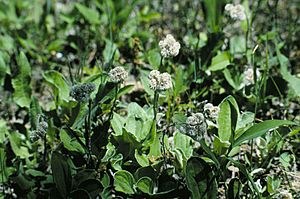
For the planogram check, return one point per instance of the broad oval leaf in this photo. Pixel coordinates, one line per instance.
(61, 173)
(59, 84)
(220, 61)
(224, 121)
(123, 182)
(146, 185)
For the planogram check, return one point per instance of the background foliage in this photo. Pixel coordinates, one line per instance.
(109, 146)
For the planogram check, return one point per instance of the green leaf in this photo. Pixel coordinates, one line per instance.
(138, 122)
(110, 52)
(220, 146)
(124, 182)
(61, 171)
(35, 173)
(92, 186)
(293, 81)
(260, 129)
(224, 121)
(21, 83)
(154, 59)
(15, 141)
(230, 79)
(34, 111)
(285, 159)
(145, 184)
(237, 44)
(141, 159)
(234, 188)
(213, 10)
(273, 183)
(124, 90)
(4, 169)
(180, 84)
(59, 85)
(244, 170)
(184, 143)
(91, 15)
(117, 124)
(3, 69)
(200, 179)
(70, 143)
(105, 180)
(3, 130)
(220, 61)
(24, 183)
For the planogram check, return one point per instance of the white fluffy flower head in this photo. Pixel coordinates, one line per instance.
(236, 12)
(169, 46)
(160, 81)
(211, 111)
(118, 74)
(196, 119)
(249, 76)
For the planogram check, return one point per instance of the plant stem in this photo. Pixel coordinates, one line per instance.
(247, 34)
(89, 129)
(45, 148)
(155, 101)
(114, 103)
(161, 63)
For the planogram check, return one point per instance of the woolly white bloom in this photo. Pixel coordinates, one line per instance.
(165, 81)
(236, 12)
(159, 81)
(211, 111)
(249, 76)
(118, 74)
(195, 119)
(169, 46)
(195, 126)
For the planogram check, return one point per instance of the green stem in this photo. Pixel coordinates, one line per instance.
(161, 63)
(89, 128)
(114, 103)
(45, 148)
(247, 34)
(155, 101)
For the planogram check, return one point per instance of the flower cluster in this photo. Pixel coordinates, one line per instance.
(9, 192)
(81, 92)
(211, 111)
(160, 81)
(249, 76)
(195, 126)
(41, 130)
(236, 12)
(169, 46)
(118, 74)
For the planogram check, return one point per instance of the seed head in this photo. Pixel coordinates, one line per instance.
(118, 74)
(169, 46)
(81, 92)
(41, 130)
